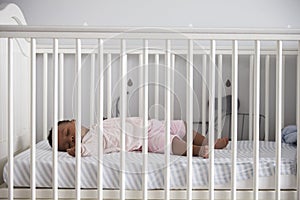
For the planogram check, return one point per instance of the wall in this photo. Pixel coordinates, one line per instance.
(199, 13)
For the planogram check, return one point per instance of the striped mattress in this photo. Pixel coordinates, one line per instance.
(178, 166)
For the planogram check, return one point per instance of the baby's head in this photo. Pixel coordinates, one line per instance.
(66, 135)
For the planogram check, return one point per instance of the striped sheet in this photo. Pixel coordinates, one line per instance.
(178, 166)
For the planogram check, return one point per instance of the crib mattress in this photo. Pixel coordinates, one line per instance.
(178, 166)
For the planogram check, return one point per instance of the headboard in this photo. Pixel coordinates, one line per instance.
(11, 14)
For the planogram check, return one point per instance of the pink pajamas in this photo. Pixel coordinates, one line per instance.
(133, 135)
(156, 134)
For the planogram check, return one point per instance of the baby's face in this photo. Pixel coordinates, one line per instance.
(66, 136)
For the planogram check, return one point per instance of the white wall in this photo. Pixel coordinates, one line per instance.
(213, 13)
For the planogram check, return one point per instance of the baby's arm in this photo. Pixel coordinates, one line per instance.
(71, 151)
(84, 151)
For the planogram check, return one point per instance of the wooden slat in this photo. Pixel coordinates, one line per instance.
(278, 117)
(189, 117)
(256, 119)
(145, 121)
(55, 121)
(212, 121)
(10, 119)
(78, 121)
(123, 113)
(33, 119)
(167, 120)
(234, 117)
(100, 111)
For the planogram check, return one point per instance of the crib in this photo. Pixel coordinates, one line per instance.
(34, 97)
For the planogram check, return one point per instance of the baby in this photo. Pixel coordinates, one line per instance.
(134, 137)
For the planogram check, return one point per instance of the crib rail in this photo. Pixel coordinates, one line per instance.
(148, 33)
(209, 55)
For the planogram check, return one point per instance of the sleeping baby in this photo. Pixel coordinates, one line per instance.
(134, 137)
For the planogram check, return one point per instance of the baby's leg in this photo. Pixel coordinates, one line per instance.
(200, 140)
(221, 143)
(179, 148)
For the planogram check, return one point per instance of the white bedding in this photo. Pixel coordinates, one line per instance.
(66, 168)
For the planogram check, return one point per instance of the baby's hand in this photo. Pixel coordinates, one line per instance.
(71, 151)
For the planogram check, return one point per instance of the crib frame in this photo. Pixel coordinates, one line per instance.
(146, 34)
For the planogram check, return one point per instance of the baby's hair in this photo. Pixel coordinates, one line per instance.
(50, 132)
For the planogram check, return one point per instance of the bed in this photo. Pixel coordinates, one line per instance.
(178, 165)
(148, 72)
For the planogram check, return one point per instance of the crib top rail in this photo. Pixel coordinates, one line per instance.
(148, 33)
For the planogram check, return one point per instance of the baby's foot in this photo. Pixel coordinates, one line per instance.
(203, 151)
(221, 143)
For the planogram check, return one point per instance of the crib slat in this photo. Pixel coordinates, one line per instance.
(10, 120)
(267, 99)
(100, 107)
(92, 86)
(141, 89)
(211, 120)
(55, 120)
(156, 86)
(123, 115)
(220, 85)
(189, 118)
(251, 68)
(108, 64)
(204, 93)
(167, 120)
(33, 118)
(278, 117)
(145, 122)
(256, 118)
(61, 86)
(78, 120)
(234, 117)
(45, 95)
(172, 84)
(298, 121)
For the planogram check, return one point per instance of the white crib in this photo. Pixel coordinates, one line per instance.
(153, 48)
